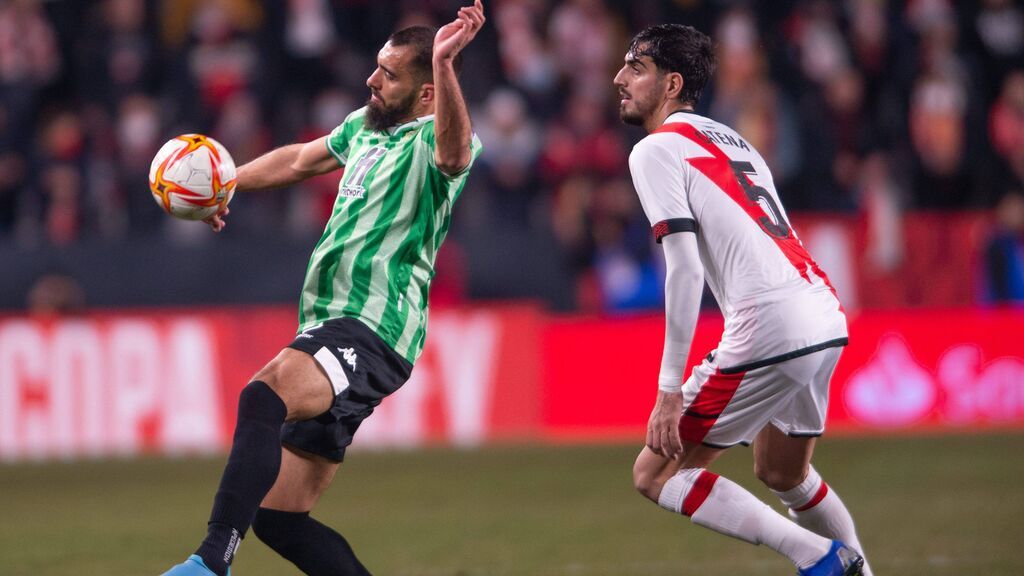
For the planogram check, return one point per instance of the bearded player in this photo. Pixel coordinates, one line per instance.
(715, 211)
(363, 314)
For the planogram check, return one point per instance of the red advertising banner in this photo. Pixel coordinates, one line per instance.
(118, 384)
(958, 370)
(125, 383)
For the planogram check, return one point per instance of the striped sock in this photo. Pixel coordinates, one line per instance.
(815, 506)
(723, 506)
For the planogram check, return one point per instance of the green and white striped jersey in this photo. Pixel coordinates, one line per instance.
(375, 259)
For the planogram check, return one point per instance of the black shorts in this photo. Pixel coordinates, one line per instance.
(363, 370)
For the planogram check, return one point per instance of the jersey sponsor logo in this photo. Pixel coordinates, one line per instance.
(352, 183)
(350, 356)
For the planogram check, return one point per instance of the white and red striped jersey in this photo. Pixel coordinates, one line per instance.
(694, 174)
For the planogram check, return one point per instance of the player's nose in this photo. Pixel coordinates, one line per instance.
(618, 79)
(373, 81)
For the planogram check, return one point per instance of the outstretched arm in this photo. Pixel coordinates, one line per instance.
(451, 117)
(281, 167)
(286, 166)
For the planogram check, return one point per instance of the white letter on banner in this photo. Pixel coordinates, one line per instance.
(466, 358)
(191, 395)
(1001, 390)
(957, 370)
(77, 392)
(135, 369)
(891, 388)
(21, 362)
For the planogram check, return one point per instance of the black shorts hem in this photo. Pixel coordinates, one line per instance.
(836, 343)
(332, 455)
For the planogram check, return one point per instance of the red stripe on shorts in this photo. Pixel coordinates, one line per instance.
(705, 409)
(699, 492)
(818, 497)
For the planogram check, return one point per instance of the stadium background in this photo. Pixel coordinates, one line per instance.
(895, 131)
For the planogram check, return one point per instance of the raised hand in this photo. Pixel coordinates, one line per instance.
(454, 36)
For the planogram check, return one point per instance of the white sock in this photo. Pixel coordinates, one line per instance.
(818, 508)
(723, 506)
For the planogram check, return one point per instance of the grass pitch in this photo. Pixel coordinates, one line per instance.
(924, 506)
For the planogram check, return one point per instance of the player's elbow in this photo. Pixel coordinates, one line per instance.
(685, 277)
(453, 162)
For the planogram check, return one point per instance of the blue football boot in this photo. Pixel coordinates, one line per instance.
(194, 566)
(841, 560)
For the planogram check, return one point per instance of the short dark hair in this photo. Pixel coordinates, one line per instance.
(682, 49)
(421, 39)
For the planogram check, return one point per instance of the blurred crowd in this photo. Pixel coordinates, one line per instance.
(859, 106)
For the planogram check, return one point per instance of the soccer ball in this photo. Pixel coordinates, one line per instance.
(192, 177)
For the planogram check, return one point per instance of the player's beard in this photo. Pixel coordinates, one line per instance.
(380, 117)
(639, 112)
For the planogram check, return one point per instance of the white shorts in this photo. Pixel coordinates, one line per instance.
(725, 409)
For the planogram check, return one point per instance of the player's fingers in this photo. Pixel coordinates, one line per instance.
(675, 445)
(654, 442)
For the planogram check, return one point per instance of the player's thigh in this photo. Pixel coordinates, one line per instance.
(781, 461)
(651, 471)
(303, 478)
(300, 382)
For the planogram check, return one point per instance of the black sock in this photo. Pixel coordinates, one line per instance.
(312, 547)
(251, 470)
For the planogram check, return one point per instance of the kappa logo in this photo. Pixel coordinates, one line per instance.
(350, 356)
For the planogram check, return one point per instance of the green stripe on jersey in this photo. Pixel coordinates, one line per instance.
(375, 259)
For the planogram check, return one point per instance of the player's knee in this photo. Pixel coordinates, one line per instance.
(646, 482)
(275, 528)
(778, 478)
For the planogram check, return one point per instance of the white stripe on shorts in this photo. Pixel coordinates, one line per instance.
(336, 374)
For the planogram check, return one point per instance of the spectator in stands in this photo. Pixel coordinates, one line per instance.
(937, 122)
(745, 97)
(525, 57)
(583, 34)
(1006, 131)
(1004, 254)
(582, 140)
(625, 268)
(999, 26)
(507, 167)
(29, 63)
(814, 84)
(117, 53)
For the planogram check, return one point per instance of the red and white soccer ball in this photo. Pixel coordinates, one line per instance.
(192, 177)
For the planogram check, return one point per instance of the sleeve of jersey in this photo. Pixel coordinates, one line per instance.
(339, 141)
(657, 169)
(430, 139)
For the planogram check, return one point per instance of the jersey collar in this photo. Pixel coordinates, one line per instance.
(410, 125)
(668, 119)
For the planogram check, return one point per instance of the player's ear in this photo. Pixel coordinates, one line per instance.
(426, 93)
(675, 86)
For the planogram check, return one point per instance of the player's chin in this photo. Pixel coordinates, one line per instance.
(630, 116)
